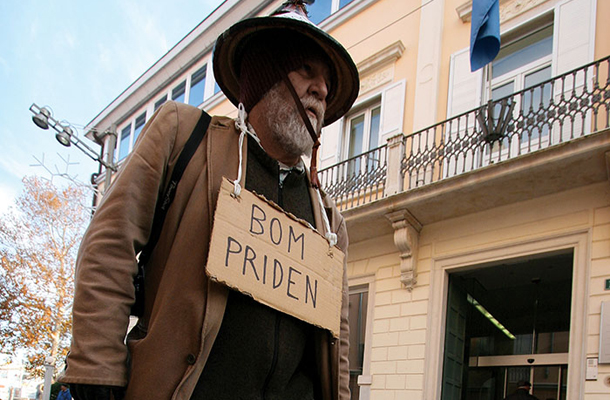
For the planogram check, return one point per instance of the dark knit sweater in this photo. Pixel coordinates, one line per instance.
(260, 353)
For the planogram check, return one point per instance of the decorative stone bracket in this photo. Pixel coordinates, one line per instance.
(406, 238)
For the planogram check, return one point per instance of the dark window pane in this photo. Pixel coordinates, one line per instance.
(358, 305)
(356, 139)
(375, 122)
(319, 11)
(124, 147)
(140, 122)
(356, 136)
(197, 87)
(353, 386)
(536, 98)
(160, 102)
(523, 52)
(178, 92)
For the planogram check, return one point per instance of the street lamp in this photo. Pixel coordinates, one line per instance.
(41, 119)
(66, 136)
(63, 137)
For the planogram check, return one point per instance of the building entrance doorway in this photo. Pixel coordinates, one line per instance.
(509, 322)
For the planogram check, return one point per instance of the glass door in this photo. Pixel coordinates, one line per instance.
(507, 323)
(497, 382)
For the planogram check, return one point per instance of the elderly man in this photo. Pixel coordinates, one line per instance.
(198, 339)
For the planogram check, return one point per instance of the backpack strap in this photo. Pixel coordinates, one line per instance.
(163, 205)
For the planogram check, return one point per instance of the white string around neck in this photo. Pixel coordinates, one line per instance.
(242, 126)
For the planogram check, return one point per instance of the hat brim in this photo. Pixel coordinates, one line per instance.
(232, 41)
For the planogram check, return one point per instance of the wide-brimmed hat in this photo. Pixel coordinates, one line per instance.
(291, 17)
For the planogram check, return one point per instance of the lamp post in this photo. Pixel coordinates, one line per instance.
(49, 367)
(66, 136)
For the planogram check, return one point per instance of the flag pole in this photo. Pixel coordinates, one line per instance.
(488, 80)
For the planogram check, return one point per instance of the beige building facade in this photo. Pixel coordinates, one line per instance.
(477, 203)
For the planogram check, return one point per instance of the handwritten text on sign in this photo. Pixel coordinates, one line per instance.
(259, 250)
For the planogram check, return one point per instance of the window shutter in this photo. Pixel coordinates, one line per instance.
(574, 30)
(329, 148)
(392, 110)
(574, 33)
(464, 86)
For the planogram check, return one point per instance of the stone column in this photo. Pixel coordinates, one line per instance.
(394, 178)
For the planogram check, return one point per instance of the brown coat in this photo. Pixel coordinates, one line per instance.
(184, 309)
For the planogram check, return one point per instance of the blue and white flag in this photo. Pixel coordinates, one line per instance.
(484, 32)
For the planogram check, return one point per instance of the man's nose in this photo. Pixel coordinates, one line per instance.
(318, 87)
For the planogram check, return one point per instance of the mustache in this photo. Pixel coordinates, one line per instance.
(311, 103)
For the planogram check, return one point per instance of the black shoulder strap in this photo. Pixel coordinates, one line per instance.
(168, 197)
(163, 204)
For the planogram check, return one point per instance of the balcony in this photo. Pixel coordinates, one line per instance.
(544, 140)
(550, 119)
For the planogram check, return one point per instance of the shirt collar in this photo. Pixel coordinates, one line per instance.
(284, 169)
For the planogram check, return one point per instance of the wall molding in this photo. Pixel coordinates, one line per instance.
(382, 58)
(509, 9)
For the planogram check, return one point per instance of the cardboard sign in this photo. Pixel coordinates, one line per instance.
(276, 259)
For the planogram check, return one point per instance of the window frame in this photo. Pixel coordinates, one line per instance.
(125, 133)
(335, 5)
(366, 109)
(517, 77)
(364, 380)
(159, 103)
(178, 91)
(200, 74)
(138, 125)
(171, 91)
(134, 125)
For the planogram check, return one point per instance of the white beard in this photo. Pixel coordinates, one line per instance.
(285, 123)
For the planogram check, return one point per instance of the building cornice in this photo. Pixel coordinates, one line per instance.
(195, 45)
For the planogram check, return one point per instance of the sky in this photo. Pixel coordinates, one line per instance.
(75, 57)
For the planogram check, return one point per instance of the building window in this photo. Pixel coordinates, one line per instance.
(124, 142)
(343, 3)
(358, 305)
(322, 9)
(523, 54)
(140, 121)
(197, 86)
(160, 102)
(362, 136)
(178, 92)
(524, 62)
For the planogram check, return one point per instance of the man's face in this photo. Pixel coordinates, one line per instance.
(310, 82)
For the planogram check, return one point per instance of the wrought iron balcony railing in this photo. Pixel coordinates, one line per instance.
(357, 180)
(555, 111)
